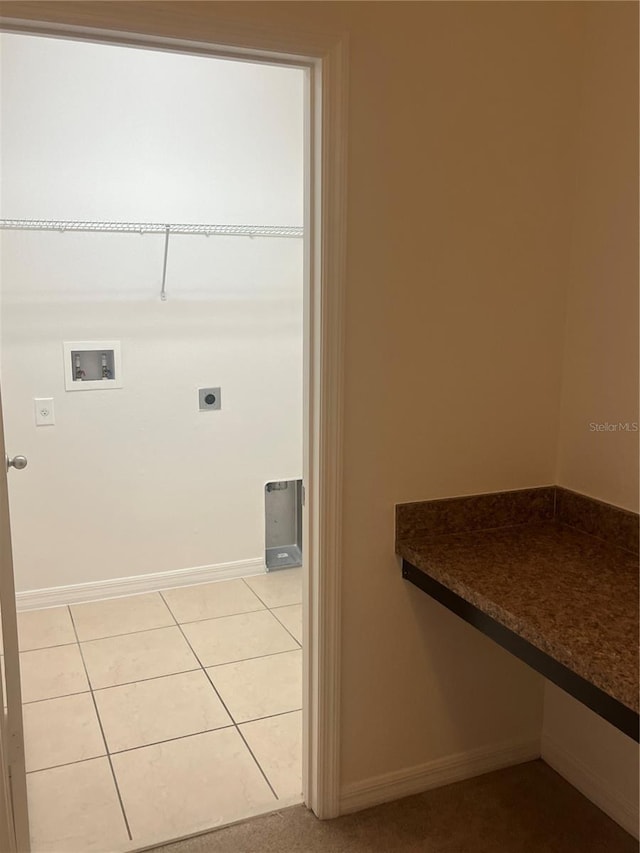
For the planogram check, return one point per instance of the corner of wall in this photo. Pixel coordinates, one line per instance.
(579, 46)
(596, 453)
(593, 756)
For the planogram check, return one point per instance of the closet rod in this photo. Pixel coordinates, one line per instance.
(151, 228)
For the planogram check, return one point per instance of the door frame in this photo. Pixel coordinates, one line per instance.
(325, 56)
(14, 833)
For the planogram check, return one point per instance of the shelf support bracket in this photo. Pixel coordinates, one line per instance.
(163, 291)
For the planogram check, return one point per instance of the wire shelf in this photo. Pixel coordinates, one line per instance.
(167, 229)
(63, 225)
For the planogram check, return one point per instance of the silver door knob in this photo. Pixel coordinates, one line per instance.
(18, 462)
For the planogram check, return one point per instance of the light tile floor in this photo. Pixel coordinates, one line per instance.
(157, 715)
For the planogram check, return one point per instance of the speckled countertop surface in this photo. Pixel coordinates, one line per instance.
(569, 594)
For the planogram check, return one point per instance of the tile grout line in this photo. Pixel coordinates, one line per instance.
(251, 752)
(240, 660)
(43, 648)
(155, 677)
(111, 686)
(223, 616)
(52, 698)
(254, 592)
(255, 657)
(124, 634)
(170, 624)
(271, 609)
(295, 639)
(155, 628)
(269, 717)
(224, 705)
(66, 764)
(172, 739)
(108, 755)
(230, 725)
(131, 749)
(142, 630)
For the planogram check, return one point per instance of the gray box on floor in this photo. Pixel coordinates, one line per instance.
(283, 524)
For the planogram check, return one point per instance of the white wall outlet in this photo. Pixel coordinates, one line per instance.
(45, 415)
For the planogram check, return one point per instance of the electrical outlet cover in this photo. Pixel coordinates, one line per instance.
(209, 399)
(44, 411)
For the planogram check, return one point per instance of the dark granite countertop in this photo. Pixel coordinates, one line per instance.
(568, 593)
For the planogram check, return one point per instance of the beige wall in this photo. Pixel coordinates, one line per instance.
(461, 151)
(594, 756)
(458, 205)
(600, 381)
(600, 376)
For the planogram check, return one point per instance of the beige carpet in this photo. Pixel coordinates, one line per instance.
(523, 809)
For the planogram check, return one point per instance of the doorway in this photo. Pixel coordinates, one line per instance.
(114, 631)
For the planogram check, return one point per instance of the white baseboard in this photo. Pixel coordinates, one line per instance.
(595, 788)
(434, 774)
(57, 596)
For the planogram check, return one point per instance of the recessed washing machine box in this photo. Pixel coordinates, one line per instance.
(92, 365)
(283, 524)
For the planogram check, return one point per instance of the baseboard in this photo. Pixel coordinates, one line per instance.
(434, 774)
(597, 789)
(57, 596)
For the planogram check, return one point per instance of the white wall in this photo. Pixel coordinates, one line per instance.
(600, 364)
(134, 134)
(137, 480)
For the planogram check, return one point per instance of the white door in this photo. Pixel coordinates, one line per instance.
(14, 820)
